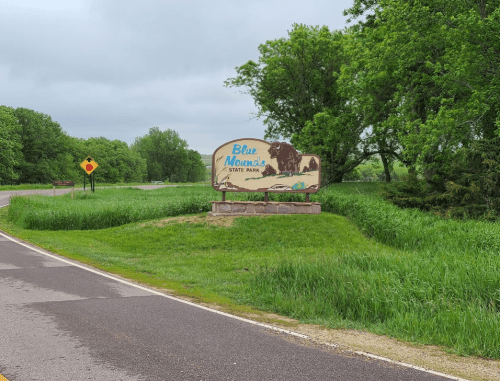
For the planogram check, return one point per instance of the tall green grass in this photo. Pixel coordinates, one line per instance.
(428, 300)
(115, 207)
(106, 207)
(408, 229)
(442, 287)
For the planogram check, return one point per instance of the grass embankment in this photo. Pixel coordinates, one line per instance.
(403, 273)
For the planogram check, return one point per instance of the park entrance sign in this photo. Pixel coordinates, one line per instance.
(253, 165)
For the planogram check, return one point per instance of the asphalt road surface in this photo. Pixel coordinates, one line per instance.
(60, 320)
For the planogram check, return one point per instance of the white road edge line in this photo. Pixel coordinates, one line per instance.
(361, 353)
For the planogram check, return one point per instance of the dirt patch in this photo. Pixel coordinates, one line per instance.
(222, 221)
(425, 356)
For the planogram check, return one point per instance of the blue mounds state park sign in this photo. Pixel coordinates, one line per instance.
(254, 165)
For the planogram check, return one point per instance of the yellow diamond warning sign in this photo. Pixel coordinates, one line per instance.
(89, 165)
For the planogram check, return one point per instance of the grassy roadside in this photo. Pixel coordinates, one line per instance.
(210, 260)
(49, 186)
(79, 185)
(436, 283)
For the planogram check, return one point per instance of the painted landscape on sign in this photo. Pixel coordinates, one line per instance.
(253, 165)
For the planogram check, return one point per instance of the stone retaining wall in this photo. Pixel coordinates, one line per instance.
(245, 208)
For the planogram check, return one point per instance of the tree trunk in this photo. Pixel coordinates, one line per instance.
(337, 177)
(387, 172)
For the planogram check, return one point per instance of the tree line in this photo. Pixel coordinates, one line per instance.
(35, 149)
(415, 81)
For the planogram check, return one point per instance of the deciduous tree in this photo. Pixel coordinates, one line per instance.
(196, 167)
(295, 88)
(45, 148)
(442, 60)
(167, 156)
(10, 146)
(117, 162)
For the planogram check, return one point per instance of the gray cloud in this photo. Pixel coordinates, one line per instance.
(116, 68)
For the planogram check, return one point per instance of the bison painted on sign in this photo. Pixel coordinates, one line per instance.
(288, 158)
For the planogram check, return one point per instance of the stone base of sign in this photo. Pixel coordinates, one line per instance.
(257, 208)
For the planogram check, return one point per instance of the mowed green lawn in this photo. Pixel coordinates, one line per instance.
(395, 272)
(210, 258)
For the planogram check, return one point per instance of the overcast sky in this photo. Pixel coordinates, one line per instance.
(115, 68)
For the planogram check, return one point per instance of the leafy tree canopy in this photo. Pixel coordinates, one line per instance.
(294, 79)
(45, 147)
(428, 73)
(415, 80)
(295, 87)
(35, 149)
(167, 156)
(117, 163)
(10, 146)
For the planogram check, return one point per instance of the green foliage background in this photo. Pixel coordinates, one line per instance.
(415, 82)
(35, 150)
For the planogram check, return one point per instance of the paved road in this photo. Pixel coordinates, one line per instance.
(60, 320)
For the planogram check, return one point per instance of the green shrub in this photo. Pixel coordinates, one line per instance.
(468, 188)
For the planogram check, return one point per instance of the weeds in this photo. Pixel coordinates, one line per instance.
(408, 229)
